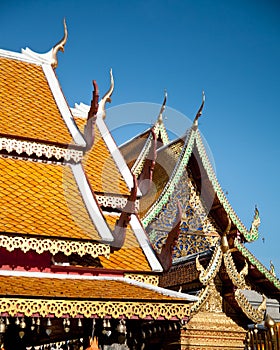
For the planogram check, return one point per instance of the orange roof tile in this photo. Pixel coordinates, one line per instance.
(98, 289)
(28, 108)
(42, 199)
(100, 167)
(130, 256)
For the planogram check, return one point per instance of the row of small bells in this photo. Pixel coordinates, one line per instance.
(34, 323)
(4, 323)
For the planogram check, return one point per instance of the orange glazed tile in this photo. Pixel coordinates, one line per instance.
(76, 289)
(28, 109)
(42, 200)
(130, 256)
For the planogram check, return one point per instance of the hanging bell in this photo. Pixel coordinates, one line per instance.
(80, 323)
(17, 321)
(22, 323)
(2, 326)
(49, 322)
(32, 324)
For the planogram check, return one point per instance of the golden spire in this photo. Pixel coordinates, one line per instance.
(199, 113)
(162, 107)
(59, 46)
(107, 97)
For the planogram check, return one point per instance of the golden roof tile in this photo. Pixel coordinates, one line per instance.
(43, 200)
(130, 256)
(28, 108)
(98, 289)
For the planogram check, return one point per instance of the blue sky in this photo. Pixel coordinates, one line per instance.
(229, 49)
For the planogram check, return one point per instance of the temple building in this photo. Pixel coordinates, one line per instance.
(107, 247)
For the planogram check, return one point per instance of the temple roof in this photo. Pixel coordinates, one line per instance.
(72, 295)
(44, 200)
(32, 104)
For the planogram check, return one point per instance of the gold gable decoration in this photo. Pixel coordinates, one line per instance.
(76, 308)
(54, 246)
(149, 279)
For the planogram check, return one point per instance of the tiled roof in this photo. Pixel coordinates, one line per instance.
(42, 199)
(97, 289)
(100, 167)
(131, 149)
(27, 106)
(130, 256)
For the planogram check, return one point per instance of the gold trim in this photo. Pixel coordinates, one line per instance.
(59, 46)
(203, 295)
(149, 279)
(107, 97)
(54, 246)
(256, 315)
(214, 265)
(75, 308)
(237, 278)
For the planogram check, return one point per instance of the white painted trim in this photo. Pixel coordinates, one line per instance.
(81, 111)
(126, 280)
(145, 243)
(41, 58)
(115, 152)
(18, 56)
(63, 106)
(91, 203)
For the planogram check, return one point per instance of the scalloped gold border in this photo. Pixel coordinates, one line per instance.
(54, 246)
(75, 308)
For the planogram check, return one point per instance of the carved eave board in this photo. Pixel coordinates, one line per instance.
(64, 295)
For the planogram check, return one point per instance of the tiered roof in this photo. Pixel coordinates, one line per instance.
(66, 201)
(210, 231)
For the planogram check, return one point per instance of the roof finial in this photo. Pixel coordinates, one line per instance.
(59, 46)
(162, 107)
(199, 113)
(107, 97)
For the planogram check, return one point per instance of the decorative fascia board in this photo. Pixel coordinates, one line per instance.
(208, 274)
(91, 203)
(54, 246)
(256, 315)
(254, 261)
(39, 58)
(139, 163)
(160, 128)
(19, 56)
(251, 235)
(63, 106)
(40, 149)
(113, 201)
(88, 309)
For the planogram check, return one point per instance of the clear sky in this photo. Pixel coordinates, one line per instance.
(230, 49)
